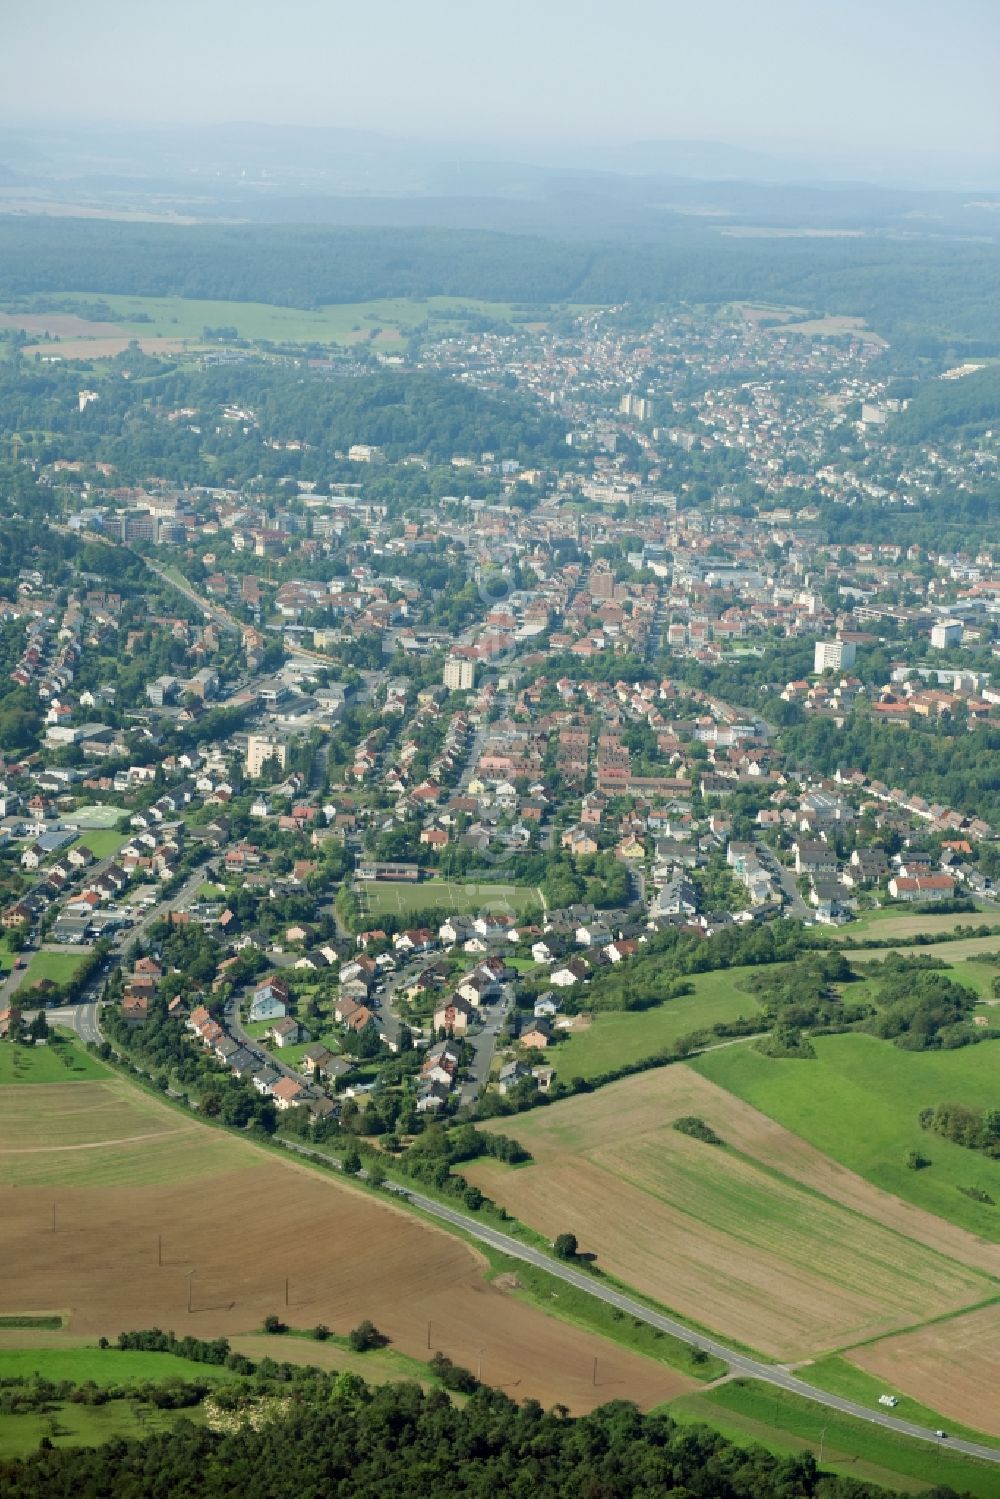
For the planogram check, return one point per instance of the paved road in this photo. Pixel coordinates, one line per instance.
(739, 1363)
(796, 906)
(82, 1018)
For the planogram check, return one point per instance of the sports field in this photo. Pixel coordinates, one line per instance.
(858, 1102)
(118, 1208)
(618, 1038)
(764, 1244)
(102, 842)
(387, 897)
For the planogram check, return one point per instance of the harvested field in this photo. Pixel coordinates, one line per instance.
(58, 325)
(953, 1367)
(103, 348)
(889, 922)
(235, 1223)
(958, 951)
(738, 1239)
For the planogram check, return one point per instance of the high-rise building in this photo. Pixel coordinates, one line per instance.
(459, 674)
(640, 408)
(946, 633)
(834, 655)
(264, 747)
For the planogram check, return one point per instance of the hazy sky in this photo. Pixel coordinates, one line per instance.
(890, 76)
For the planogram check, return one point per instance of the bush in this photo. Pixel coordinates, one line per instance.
(566, 1246)
(366, 1336)
(321, 1332)
(690, 1124)
(273, 1323)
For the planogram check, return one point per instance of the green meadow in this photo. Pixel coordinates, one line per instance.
(619, 1038)
(859, 1102)
(385, 322)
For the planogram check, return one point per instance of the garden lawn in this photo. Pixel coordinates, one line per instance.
(60, 967)
(619, 1038)
(858, 1102)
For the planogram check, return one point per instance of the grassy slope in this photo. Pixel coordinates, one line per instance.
(62, 1062)
(749, 1411)
(71, 1425)
(859, 1101)
(617, 1039)
(105, 1366)
(841, 1377)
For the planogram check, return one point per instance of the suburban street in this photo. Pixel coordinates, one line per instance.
(796, 907)
(739, 1363)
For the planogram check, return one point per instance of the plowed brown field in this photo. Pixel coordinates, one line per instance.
(234, 1224)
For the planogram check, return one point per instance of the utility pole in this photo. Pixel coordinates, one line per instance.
(286, 1290)
(595, 1373)
(159, 1249)
(428, 1334)
(822, 1440)
(53, 1217)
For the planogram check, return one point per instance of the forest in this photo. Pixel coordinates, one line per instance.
(927, 294)
(414, 413)
(337, 1436)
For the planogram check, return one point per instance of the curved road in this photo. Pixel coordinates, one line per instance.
(83, 1019)
(739, 1363)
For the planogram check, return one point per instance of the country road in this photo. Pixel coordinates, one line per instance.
(739, 1363)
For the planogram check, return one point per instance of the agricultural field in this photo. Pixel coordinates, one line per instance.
(619, 1038)
(887, 923)
(959, 950)
(954, 1365)
(747, 1410)
(392, 898)
(766, 1245)
(122, 1212)
(858, 1102)
(172, 324)
(843, 1375)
